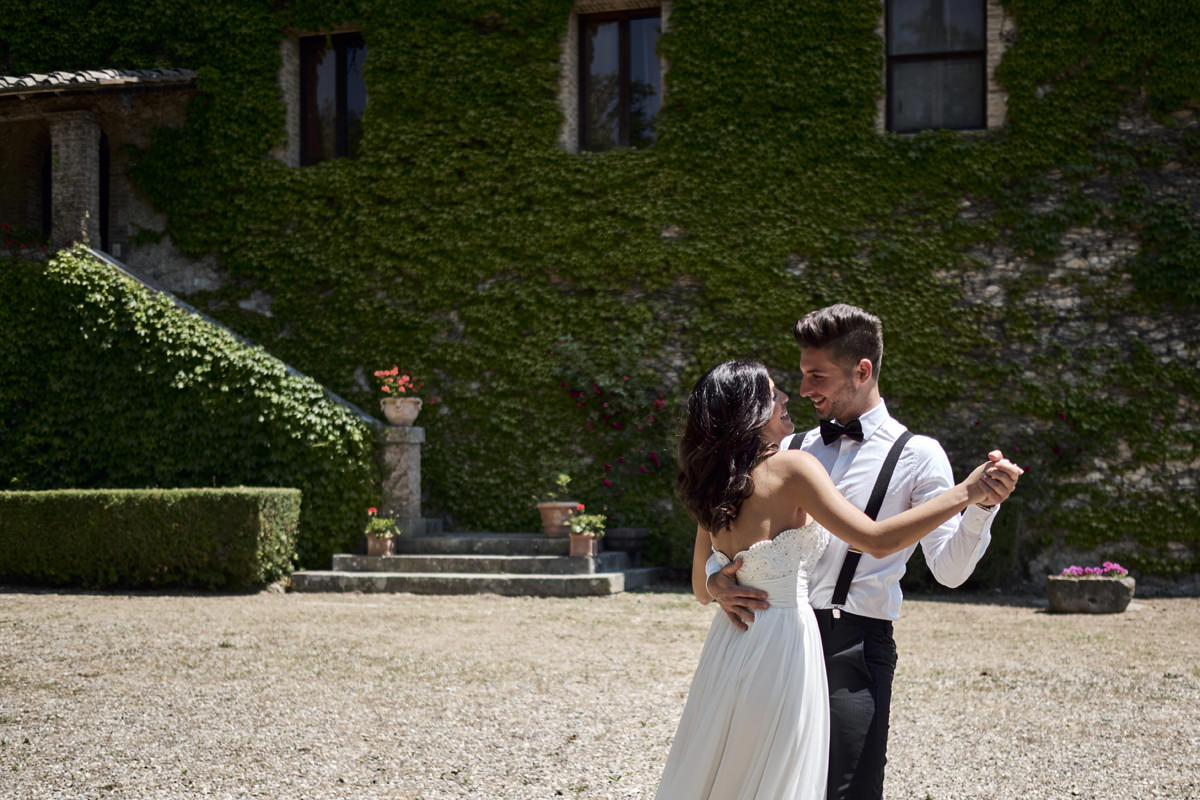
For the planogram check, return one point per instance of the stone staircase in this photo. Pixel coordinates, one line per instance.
(525, 564)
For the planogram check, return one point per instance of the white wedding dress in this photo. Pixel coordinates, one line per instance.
(756, 721)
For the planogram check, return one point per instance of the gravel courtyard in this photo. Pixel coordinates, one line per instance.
(401, 696)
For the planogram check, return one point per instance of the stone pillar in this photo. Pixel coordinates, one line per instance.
(74, 178)
(401, 457)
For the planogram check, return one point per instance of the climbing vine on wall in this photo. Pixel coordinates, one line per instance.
(464, 245)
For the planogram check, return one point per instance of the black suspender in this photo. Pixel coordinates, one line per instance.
(842, 587)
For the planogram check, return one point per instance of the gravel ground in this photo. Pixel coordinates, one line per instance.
(402, 696)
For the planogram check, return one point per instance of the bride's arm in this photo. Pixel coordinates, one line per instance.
(816, 493)
(700, 554)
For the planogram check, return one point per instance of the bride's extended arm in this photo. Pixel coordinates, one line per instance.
(818, 496)
(700, 554)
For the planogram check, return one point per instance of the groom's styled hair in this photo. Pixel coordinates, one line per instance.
(848, 331)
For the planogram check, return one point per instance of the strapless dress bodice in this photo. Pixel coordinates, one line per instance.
(780, 566)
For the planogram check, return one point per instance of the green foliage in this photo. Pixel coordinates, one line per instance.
(109, 384)
(464, 244)
(1168, 265)
(232, 539)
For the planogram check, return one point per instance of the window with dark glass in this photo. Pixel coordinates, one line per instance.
(620, 85)
(936, 64)
(332, 96)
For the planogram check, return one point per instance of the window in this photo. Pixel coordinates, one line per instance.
(332, 96)
(936, 64)
(620, 82)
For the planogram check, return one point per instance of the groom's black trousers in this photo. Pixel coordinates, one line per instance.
(860, 660)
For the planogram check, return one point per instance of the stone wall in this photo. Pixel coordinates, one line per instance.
(1056, 326)
(71, 124)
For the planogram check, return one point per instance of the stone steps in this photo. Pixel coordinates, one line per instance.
(514, 564)
(526, 544)
(491, 564)
(602, 583)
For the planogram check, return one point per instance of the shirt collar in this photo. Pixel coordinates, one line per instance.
(873, 419)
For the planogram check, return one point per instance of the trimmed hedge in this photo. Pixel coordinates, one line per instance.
(236, 539)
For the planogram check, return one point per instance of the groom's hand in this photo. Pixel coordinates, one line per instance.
(999, 479)
(737, 601)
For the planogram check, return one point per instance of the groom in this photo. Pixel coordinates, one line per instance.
(841, 348)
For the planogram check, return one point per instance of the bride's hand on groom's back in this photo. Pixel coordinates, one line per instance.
(738, 602)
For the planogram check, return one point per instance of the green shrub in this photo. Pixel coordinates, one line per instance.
(232, 539)
(109, 384)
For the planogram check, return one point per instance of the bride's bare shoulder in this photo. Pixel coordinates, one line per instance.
(798, 465)
(795, 460)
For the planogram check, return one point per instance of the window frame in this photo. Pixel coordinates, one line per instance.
(623, 17)
(935, 56)
(337, 42)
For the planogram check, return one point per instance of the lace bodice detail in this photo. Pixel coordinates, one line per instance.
(780, 566)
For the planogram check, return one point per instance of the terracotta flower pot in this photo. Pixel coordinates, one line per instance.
(401, 410)
(584, 545)
(555, 515)
(380, 545)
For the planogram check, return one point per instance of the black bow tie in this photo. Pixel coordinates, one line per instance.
(831, 431)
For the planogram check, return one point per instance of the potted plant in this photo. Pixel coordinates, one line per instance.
(381, 533)
(1106, 589)
(400, 402)
(555, 509)
(586, 532)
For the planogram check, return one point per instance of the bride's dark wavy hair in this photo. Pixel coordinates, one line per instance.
(721, 443)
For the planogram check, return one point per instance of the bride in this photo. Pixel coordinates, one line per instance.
(756, 721)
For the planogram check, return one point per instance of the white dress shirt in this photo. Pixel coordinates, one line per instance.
(951, 551)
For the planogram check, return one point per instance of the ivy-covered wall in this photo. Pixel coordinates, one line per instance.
(528, 287)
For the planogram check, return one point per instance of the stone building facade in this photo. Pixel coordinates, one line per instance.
(64, 167)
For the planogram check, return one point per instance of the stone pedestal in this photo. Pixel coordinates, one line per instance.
(1069, 595)
(400, 455)
(75, 179)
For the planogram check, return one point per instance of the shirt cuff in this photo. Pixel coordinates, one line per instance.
(976, 519)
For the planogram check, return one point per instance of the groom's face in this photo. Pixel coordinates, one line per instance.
(830, 385)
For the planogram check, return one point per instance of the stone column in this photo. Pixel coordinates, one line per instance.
(74, 178)
(401, 457)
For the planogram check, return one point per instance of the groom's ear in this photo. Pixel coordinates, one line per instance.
(864, 370)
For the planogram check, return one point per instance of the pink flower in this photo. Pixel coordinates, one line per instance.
(579, 506)
(606, 482)
(608, 467)
(372, 510)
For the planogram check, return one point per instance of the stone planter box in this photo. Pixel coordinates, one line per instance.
(1070, 595)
